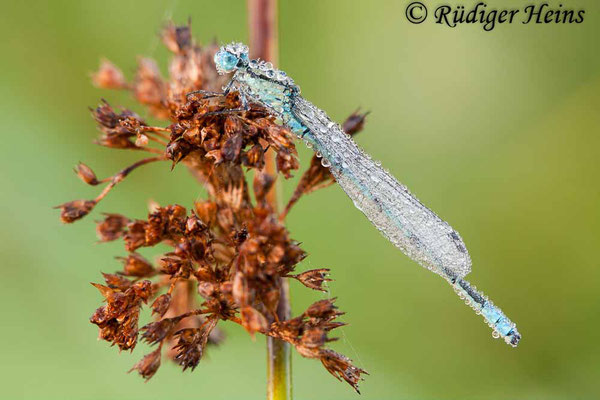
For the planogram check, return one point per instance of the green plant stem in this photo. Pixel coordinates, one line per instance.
(279, 363)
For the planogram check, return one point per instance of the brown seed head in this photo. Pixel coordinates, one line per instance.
(314, 278)
(253, 321)
(148, 365)
(161, 304)
(111, 228)
(108, 76)
(74, 210)
(86, 174)
(136, 265)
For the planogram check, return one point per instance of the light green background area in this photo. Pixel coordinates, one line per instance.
(498, 132)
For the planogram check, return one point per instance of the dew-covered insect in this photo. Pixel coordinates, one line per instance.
(389, 205)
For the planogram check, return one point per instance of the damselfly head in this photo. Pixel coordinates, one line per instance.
(231, 57)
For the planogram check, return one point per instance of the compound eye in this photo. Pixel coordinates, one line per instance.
(225, 61)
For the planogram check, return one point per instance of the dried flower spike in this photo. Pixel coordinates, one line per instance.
(225, 259)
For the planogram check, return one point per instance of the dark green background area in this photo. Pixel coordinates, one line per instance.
(498, 132)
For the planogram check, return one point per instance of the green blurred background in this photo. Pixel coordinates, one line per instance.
(498, 132)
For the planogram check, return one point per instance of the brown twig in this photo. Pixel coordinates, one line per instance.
(262, 26)
(123, 173)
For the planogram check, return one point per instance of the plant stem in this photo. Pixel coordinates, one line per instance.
(279, 360)
(262, 24)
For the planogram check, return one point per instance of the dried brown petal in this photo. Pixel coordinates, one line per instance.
(105, 291)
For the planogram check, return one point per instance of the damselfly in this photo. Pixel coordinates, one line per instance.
(389, 205)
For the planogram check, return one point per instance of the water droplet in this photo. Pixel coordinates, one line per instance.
(357, 205)
(318, 154)
(280, 75)
(495, 335)
(325, 163)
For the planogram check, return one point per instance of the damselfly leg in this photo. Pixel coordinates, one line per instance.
(205, 94)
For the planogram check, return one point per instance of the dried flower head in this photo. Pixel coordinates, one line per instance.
(148, 365)
(230, 253)
(109, 76)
